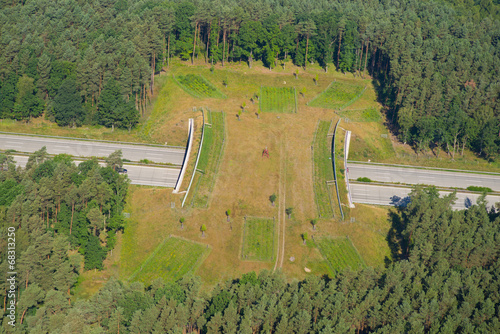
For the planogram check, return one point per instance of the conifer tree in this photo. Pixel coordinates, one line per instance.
(68, 109)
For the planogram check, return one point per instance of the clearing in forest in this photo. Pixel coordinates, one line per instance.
(278, 99)
(258, 239)
(210, 158)
(338, 95)
(340, 253)
(198, 86)
(323, 170)
(171, 260)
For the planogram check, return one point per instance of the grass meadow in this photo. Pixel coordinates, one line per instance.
(171, 259)
(198, 86)
(338, 95)
(278, 99)
(340, 253)
(259, 236)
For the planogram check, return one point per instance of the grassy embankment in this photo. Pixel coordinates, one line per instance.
(209, 161)
(324, 188)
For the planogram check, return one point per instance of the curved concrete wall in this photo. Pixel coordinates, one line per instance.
(186, 157)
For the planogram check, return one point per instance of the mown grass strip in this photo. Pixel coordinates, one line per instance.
(278, 99)
(198, 86)
(171, 260)
(362, 115)
(258, 239)
(354, 99)
(322, 170)
(340, 253)
(337, 95)
(210, 159)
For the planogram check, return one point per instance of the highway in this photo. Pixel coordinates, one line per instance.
(83, 148)
(446, 179)
(391, 195)
(141, 175)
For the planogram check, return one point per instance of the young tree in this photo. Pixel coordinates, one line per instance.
(228, 213)
(272, 198)
(94, 253)
(130, 115)
(289, 211)
(182, 220)
(305, 236)
(313, 223)
(203, 229)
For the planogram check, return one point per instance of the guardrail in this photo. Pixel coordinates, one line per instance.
(91, 140)
(335, 170)
(346, 153)
(451, 170)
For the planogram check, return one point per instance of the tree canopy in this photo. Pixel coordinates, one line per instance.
(435, 63)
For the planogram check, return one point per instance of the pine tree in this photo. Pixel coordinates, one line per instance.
(68, 108)
(43, 69)
(110, 105)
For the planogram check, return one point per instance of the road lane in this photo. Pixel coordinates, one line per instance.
(141, 175)
(390, 174)
(390, 195)
(81, 148)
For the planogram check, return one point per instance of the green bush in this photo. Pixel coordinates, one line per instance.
(480, 189)
(363, 179)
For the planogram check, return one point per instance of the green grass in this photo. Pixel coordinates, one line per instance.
(278, 99)
(338, 95)
(362, 115)
(258, 239)
(172, 259)
(323, 170)
(340, 253)
(198, 86)
(210, 157)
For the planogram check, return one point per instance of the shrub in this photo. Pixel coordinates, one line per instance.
(480, 189)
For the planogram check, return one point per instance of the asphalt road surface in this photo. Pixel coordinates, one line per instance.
(382, 173)
(80, 148)
(389, 195)
(142, 175)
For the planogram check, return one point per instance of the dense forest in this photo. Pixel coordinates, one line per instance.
(435, 64)
(65, 217)
(443, 277)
